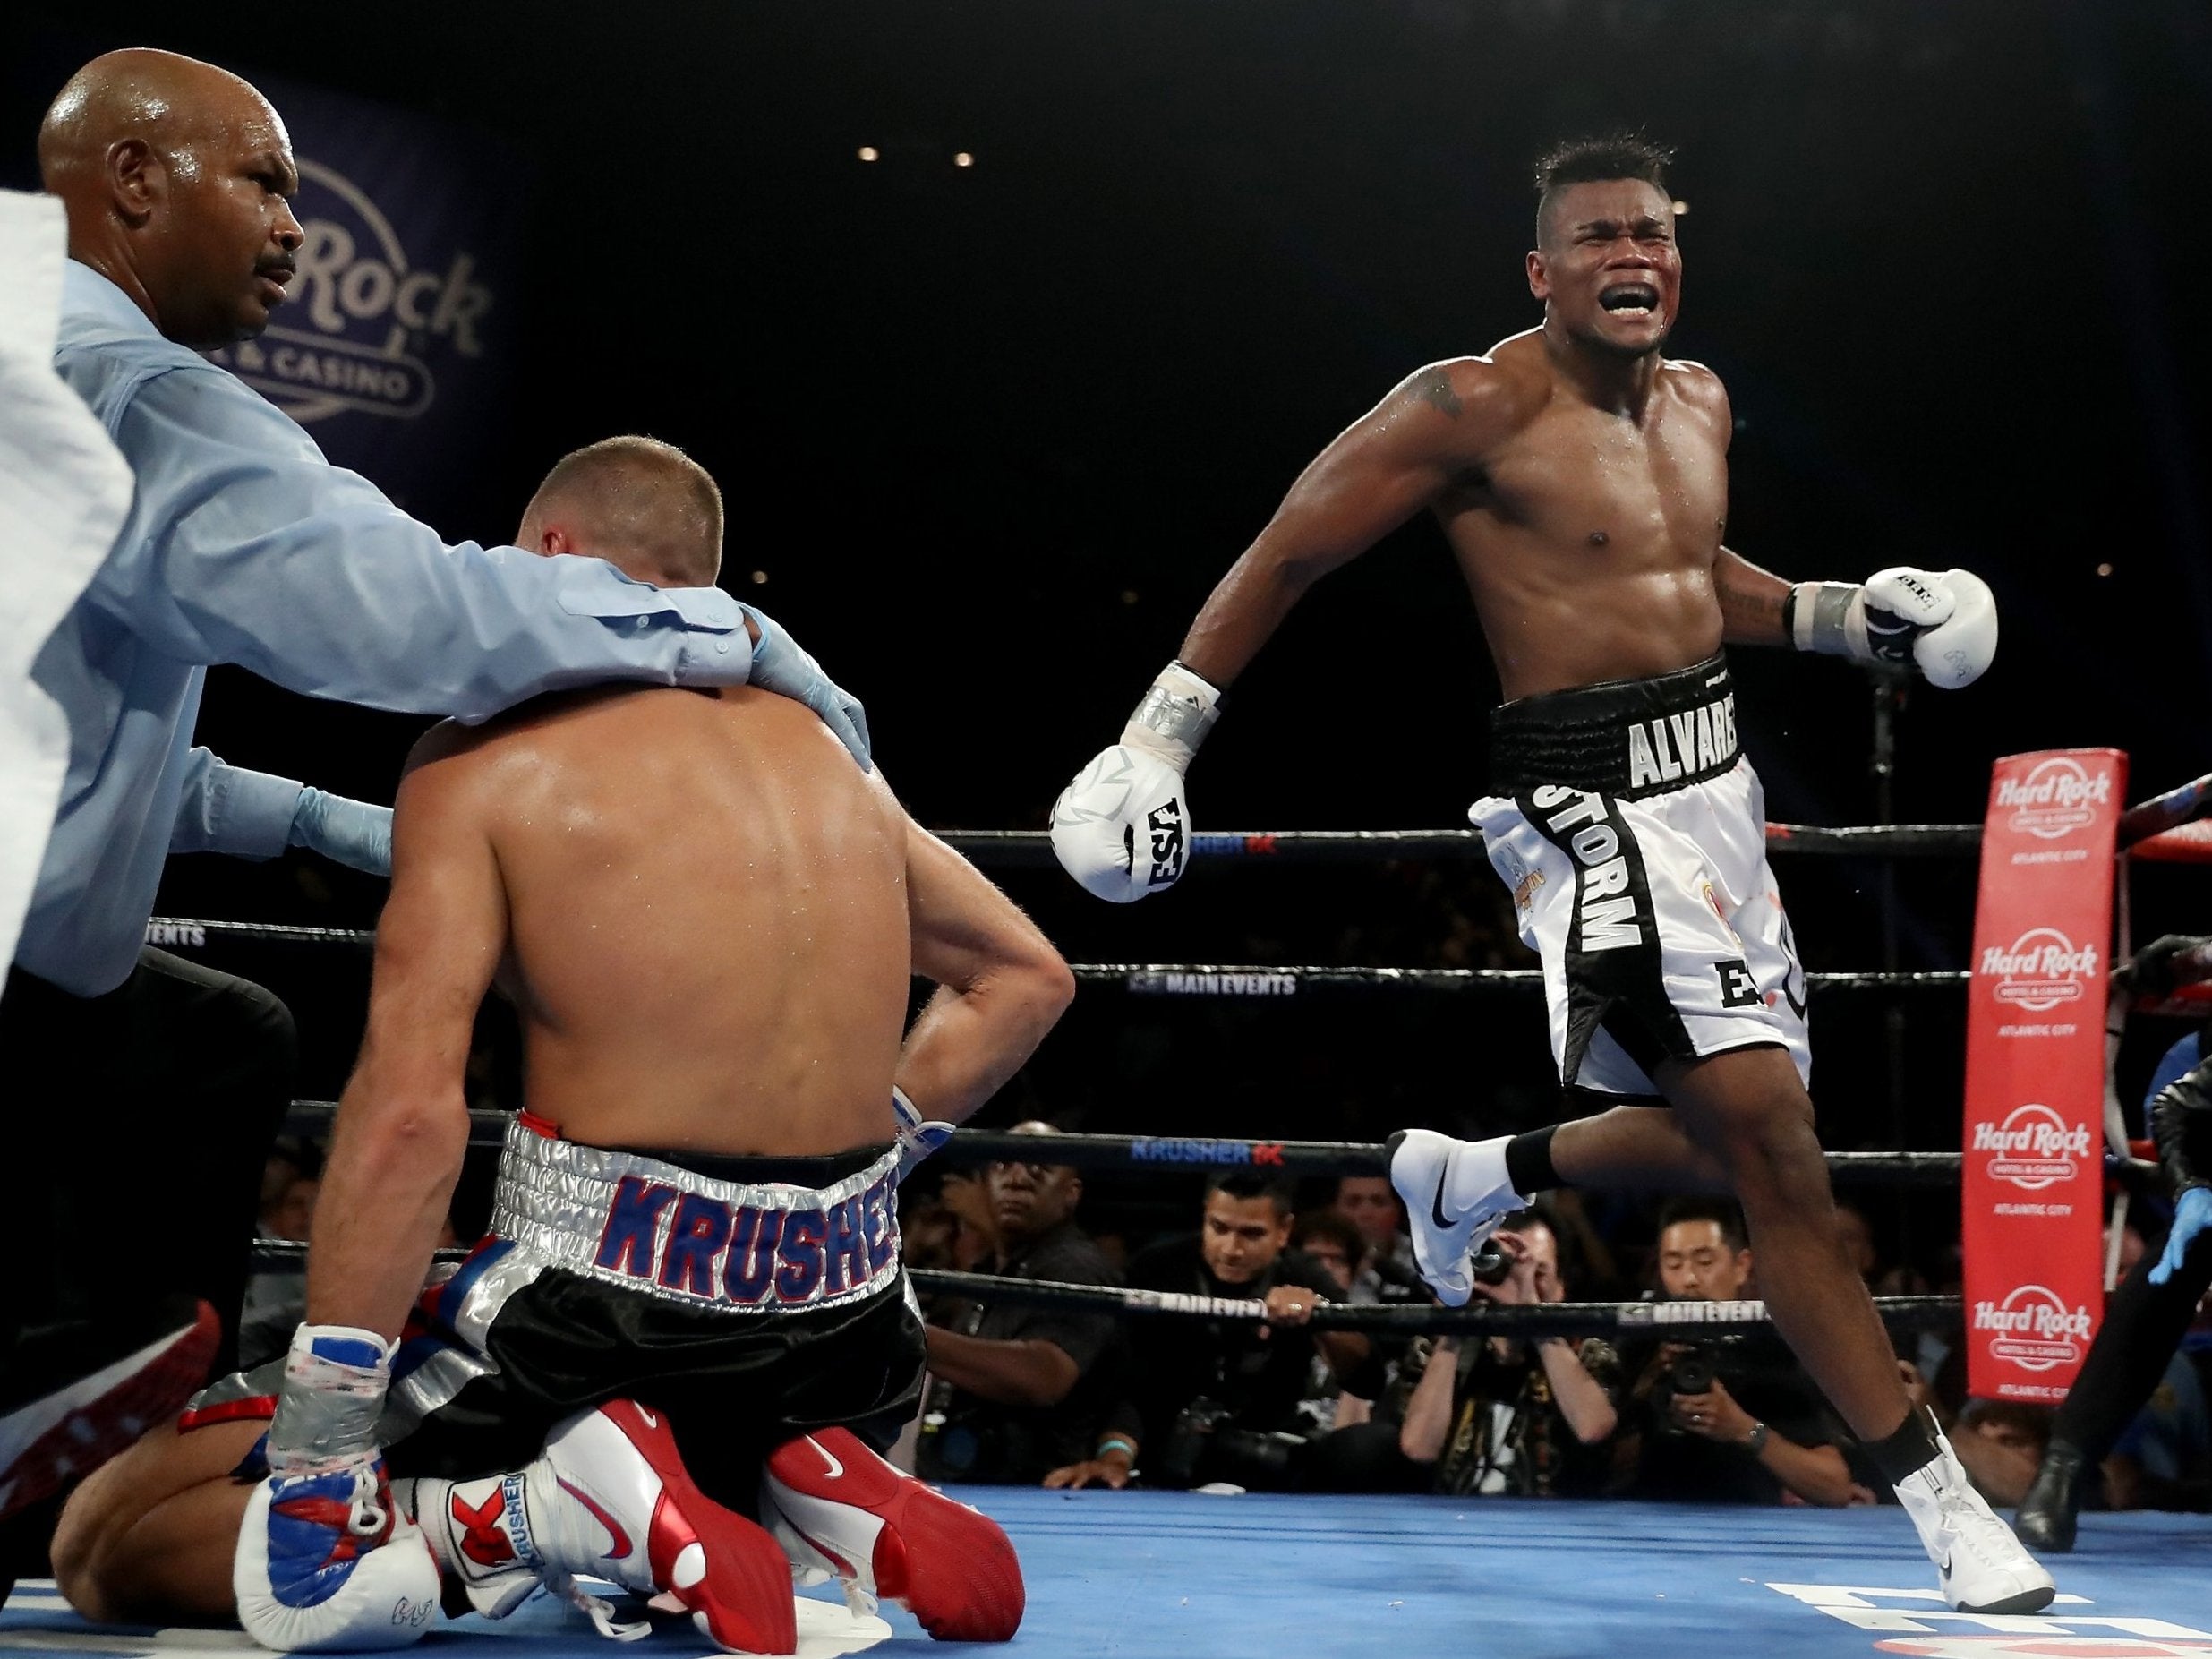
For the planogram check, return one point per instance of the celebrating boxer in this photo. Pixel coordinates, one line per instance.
(707, 917)
(242, 545)
(1581, 479)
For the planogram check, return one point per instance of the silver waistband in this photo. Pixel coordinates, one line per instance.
(663, 1231)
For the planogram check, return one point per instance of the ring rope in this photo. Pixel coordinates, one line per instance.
(310, 1119)
(1544, 1318)
(289, 1256)
(1032, 849)
(1137, 978)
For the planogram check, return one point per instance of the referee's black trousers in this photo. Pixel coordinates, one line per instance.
(132, 1144)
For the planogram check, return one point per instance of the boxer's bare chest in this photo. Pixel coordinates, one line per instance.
(1581, 492)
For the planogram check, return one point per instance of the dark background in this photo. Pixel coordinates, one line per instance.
(991, 433)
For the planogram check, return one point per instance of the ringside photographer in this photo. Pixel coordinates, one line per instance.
(1719, 1420)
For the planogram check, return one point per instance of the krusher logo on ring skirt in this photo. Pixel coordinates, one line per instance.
(358, 313)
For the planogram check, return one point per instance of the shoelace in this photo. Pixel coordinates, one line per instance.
(600, 1613)
(365, 1517)
(1974, 1523)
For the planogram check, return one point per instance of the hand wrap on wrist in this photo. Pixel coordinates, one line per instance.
(1175, 717)
(333, 1382)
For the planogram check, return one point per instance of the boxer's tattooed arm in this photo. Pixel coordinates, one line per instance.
(1434, 387)
(1751, 601)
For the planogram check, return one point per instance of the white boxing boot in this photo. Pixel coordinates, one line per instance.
(1982, 1567)
(1456, 1193)
(611, 1499)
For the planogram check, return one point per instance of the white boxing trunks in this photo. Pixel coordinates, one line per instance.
(1633, 835)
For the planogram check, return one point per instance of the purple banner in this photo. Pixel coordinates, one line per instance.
(393, 345)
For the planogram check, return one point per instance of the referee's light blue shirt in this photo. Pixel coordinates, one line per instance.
(244, 546)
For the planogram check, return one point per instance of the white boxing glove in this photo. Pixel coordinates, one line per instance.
(327, 1563)
(1943, 623)
(1122, 828)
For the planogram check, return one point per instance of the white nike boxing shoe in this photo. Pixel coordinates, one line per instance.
(839, 1509)
(1431, 1173)
(1982, 1567)
(610, 1500)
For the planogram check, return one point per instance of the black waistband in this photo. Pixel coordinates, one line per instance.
(1619, 737)
(810, 1172)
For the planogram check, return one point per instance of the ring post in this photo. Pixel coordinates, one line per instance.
(2032, 1177)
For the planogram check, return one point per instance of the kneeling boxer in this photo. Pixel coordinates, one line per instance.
(690, 1307)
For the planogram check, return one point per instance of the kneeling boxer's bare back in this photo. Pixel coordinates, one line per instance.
(706, 917)
(1581, 479)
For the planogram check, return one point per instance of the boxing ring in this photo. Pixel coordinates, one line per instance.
(1135, 1575)
(1189, 1574)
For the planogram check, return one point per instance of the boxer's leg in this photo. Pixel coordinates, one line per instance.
(148, 1539)
(1637, 1147)
(1746, 1108)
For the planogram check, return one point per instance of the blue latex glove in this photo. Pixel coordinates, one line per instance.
(351, 832)
(780, 666)
(2193, 1217)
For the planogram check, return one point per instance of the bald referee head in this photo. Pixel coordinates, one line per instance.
(177, 178)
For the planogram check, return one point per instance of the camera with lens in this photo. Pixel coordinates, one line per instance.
(1489, 1266)
(1202, 1446)
(1692, 1371)
(1176, 1466)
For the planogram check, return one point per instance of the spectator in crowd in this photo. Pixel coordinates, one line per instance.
(1858, 1245)
(1017, 1391)
(965, 1192)
(2001, 1443)
(1217, 1401)
(1331, 1242)
(1710, 1422)
(1528, 1418)
(947, 1218)
(290, 1179)
(275, 1297)
(2163, 1459)
(1370, 1204)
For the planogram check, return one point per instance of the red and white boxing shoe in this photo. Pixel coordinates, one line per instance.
(836, 1507)
(610, 1500)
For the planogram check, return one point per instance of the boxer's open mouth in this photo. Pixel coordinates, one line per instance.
(1631, 299)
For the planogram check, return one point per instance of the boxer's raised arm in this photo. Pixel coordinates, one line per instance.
(1384, 468)
(1121, 828)
(403, 1124)
(1000, 983)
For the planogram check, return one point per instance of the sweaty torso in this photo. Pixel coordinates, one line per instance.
(707, 919)
(1587, 537)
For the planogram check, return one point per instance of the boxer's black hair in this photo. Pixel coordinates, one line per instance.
(1591, 160)
(1244, 1183)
